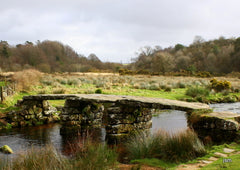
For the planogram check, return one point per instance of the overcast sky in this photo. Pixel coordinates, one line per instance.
(115, 29)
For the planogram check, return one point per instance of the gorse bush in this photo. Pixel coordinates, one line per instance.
(220, 85)
(179, 147)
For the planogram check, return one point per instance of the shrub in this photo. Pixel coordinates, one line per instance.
(203, 74)
(47, 80)
(98, 91)
(168, 89)
(26, 78)
(42, 91)
(181, 85)
(197, 91)
(154, 86)
(126, 72)
(73, 82)
(63, 81)
(59, 91)
(143, 72)
(220, 85)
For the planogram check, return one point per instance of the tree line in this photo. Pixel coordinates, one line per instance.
(49, 56)
(215, 56)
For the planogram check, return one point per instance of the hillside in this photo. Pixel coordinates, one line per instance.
(48, 56)
(215, 56)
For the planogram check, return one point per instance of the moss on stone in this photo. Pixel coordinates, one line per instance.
(6, 149)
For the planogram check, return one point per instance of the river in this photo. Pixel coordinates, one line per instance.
(21, 139)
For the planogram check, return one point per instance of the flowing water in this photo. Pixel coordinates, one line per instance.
(230, 107)
(24, 138)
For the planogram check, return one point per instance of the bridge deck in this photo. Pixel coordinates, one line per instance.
(147, 101)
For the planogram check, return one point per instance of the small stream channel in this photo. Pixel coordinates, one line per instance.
(24, 138)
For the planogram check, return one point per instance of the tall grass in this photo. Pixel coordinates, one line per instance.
(89, 156)
(179, 147)
(41, 158)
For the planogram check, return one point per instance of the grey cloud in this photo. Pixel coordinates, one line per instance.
(115, 29)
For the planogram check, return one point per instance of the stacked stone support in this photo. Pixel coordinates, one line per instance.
(122, 119)
(34, 112)
(81, 113)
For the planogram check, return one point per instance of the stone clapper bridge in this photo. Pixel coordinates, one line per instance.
(120, 114)
(123, 114)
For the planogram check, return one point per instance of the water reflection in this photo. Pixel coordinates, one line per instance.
(21, 139)
(171, 121)
(24, 138)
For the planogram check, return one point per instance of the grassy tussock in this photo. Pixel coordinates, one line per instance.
(197, 91)
(179, 147)
(26, 78)
(88, 156)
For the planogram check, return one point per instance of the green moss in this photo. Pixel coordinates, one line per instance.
(95, 106)
(56, 103)
(155, 163)
(39, 123)
(29, 123)
(8, 126)
(87, 110)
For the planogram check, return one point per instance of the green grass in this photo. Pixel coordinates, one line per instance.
(175, 94)
(218, 148)
(231, 164)
(154, 163)
(10, 101)
(210, 152)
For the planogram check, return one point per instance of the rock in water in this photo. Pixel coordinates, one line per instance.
(6, 149)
